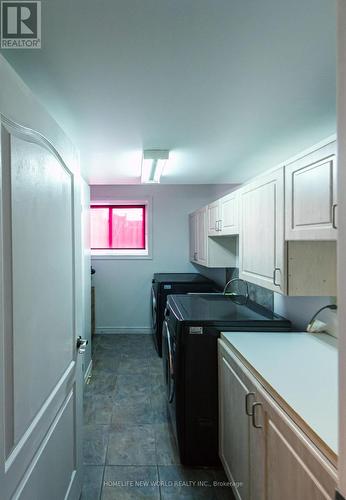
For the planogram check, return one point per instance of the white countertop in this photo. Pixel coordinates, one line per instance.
(302, 368)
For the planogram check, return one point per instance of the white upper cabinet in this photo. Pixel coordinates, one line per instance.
(286, 220)
(202, 238)
(214, 218)
(311, 198)
(206, 251)
(223, 217)
(193, 236)
(262, 244)
(198, 237)
(229, 214)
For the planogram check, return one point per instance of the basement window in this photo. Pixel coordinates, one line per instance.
(119, 230)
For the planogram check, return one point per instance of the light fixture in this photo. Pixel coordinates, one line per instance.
(153, 162)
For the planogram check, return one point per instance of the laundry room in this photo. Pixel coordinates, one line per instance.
(172, 226)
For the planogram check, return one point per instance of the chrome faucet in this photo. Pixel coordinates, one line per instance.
(232, 281)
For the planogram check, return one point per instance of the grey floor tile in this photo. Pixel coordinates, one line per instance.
(156, 366)
(159, 406)
(97, 409)
(130, 366)
(95, 444)
(105, 363)
(222, 486)
(127, 386)
(92, 482)
(180, 482)
(131, 412)
(166, 448)
(102, 384)
(132, 388)
(157, 383)
(130, 483)
(131, 445)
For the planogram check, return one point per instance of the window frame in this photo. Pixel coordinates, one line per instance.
(131, 253)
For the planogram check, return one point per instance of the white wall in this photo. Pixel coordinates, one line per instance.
(299, 310)
(123, 286)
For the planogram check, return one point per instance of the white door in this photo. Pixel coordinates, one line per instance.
(213, 218)
(262, 243)
(202, 237)
(40, 369)
(229, 223)
(234, 431)
(311, 197)
(193, 236)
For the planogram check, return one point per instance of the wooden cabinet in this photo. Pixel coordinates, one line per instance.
(198, 237)
(206, 251)
(202, 237)
(261, 446)
(295, 268)
(229, 214)
(262, 242)
(311, 197)
(286, 221)
(234, 426)
(193, 236)
(214, 218)
(223, 217)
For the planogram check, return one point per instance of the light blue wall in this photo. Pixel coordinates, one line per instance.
(299, 309)
(123, 286)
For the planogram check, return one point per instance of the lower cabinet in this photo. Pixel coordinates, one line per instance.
(265, 454)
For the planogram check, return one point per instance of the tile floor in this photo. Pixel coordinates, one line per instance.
(129, 450)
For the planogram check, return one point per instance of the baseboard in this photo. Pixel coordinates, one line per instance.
(88, 371)
(114, 330)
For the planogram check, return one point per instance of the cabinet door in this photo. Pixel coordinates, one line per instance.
(202, 237)
(262, 244)
(213, 218)
(234, 426)
(311, 196)
(294, 466)
(193, 236)
(229, 214)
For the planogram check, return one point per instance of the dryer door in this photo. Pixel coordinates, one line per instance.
(153, 311)
(168, 361)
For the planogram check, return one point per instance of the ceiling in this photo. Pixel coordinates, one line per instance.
(231, 87)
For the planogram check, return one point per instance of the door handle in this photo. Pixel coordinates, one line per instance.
(253, 415)
(195, 255)
(247, 403)
(334, 216)
(274, 276)
(81, 344)
(220, 225)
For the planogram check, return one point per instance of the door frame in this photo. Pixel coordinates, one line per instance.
(341, 128)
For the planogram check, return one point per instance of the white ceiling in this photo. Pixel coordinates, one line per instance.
(231, 87)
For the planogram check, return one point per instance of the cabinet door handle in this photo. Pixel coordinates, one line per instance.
(254, 406)
(216, 226)
(247, 403)
(334, 216)
(195, 256)
(274, 276)
(220, 225)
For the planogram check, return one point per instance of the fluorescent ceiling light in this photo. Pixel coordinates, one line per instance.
(153, 163)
